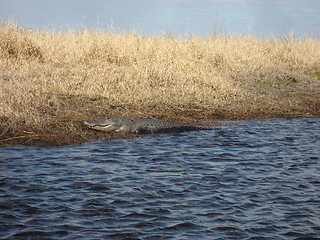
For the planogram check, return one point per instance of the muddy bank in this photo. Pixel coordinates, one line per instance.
(300, 102)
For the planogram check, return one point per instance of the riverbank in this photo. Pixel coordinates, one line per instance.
(51, 81)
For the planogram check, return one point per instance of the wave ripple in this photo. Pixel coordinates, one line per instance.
(250, 180)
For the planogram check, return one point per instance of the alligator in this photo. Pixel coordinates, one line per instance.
(143, 126)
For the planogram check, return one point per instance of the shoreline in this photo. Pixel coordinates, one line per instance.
(58, 137)
(56, 134)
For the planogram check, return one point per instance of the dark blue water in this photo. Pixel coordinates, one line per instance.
(250, 180)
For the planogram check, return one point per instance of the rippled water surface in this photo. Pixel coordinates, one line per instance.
(249, 180)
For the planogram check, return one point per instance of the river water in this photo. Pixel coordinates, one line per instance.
(248, 180)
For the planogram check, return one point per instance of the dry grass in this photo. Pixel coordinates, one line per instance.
(51, 80)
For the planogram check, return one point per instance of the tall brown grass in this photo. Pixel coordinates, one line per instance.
(43, 71)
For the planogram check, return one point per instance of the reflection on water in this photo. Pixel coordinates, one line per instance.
(178, 16)
(252, 180)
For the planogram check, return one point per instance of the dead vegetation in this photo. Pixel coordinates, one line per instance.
(50, 81)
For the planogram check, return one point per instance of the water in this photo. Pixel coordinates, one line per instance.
(250, 180)
(200, 17)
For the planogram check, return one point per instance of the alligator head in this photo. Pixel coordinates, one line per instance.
(106, 124)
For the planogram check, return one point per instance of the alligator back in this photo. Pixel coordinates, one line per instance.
(156, 126)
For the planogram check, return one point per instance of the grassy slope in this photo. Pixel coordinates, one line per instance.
(50, 81)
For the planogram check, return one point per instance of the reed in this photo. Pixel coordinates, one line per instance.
(57, 78)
